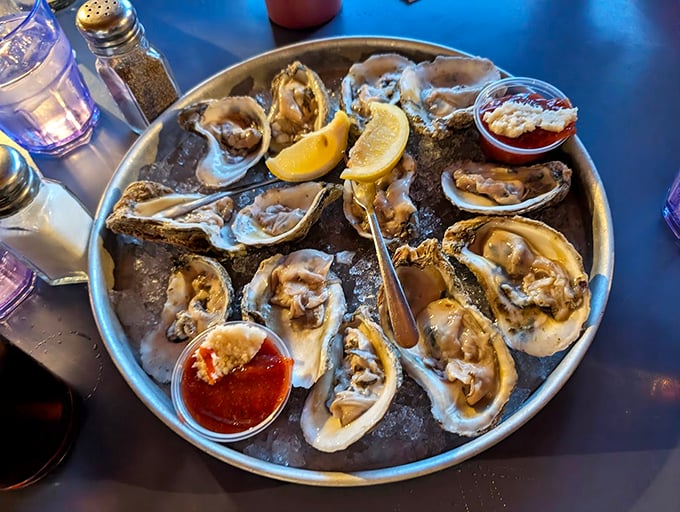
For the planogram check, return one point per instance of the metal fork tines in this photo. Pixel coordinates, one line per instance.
(401, 317)
(184, 208)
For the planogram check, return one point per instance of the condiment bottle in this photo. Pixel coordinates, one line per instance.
(137, 74)
(41, 222)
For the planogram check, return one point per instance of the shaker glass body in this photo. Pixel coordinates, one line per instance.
(45, 105)
(140, 82)
(50, 234)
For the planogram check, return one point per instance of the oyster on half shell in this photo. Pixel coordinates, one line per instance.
(299, 298)
(237, 133)
(202, 230)
(532, 276)
(283, 214)
(199, 295)
(497, 189)
(437, 96)
(397, 215)
(375, 79)
(358, 388)
(300, 104)
(461, 359)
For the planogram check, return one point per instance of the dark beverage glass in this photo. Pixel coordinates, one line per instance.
(39, 415)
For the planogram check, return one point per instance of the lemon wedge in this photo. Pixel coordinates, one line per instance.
(380, 145)
(315, 154)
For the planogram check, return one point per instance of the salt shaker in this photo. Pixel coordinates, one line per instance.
(137, 74)
(41, 222)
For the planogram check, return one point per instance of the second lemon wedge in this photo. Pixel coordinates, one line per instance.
(380, 145)
(315, 154)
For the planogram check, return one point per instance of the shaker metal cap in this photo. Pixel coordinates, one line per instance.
(107, 24)
(19, 183)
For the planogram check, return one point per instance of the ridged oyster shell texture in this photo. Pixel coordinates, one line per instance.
(407, 431)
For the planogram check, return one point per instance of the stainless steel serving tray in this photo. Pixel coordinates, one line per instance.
(340, 53)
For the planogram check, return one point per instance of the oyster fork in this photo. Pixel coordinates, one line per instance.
(401, 317)
(183, 208)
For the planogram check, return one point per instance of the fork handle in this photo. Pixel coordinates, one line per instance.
(401, 317)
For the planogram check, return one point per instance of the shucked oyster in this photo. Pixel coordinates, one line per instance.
(300, 299)
(237, 133)
(300, 104)
(204, 229)
(497, 189)
(283, 214)
(199, 295)
(356, 391)
(397, 215)
(438, 96)
(532, 276)
(461, 359)
(375, 79)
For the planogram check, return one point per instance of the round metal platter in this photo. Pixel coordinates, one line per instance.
(336, 55)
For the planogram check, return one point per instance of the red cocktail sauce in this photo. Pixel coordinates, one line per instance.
(243, 398)
(538, 138)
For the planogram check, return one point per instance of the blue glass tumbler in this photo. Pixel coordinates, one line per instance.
(671, 208)
(45, 105)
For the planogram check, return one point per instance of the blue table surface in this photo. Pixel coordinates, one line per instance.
(608, 441)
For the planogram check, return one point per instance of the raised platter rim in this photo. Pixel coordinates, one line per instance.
(113, 336)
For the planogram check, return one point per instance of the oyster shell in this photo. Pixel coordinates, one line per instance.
(438, 96)
(199, 295)
(375, 79)
(497, 189)
(283, 214)
(532, 276)
(461, 359)
(300, 104)
(202, 230)
(397, 215)
(237, 133)
(356, 391)
(300, 299)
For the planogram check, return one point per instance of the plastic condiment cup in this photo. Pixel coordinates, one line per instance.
(184, 363)
(494, 148)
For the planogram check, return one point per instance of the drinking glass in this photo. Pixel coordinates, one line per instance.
(671, 207)
(16, 282)
(45, 105)
(39, 418)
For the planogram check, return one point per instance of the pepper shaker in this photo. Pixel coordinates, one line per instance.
(41, 222)
(136, 74)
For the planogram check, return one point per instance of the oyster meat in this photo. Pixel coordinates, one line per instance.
(497, 189)
(283, 214)
(199, 295)
(300, 104)
(375, 79)
(532, 276)
(237, 133)
(299, 298)
(461, 359)
(437, 96)
(397, 215)
(358, 388)
(202, 230)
